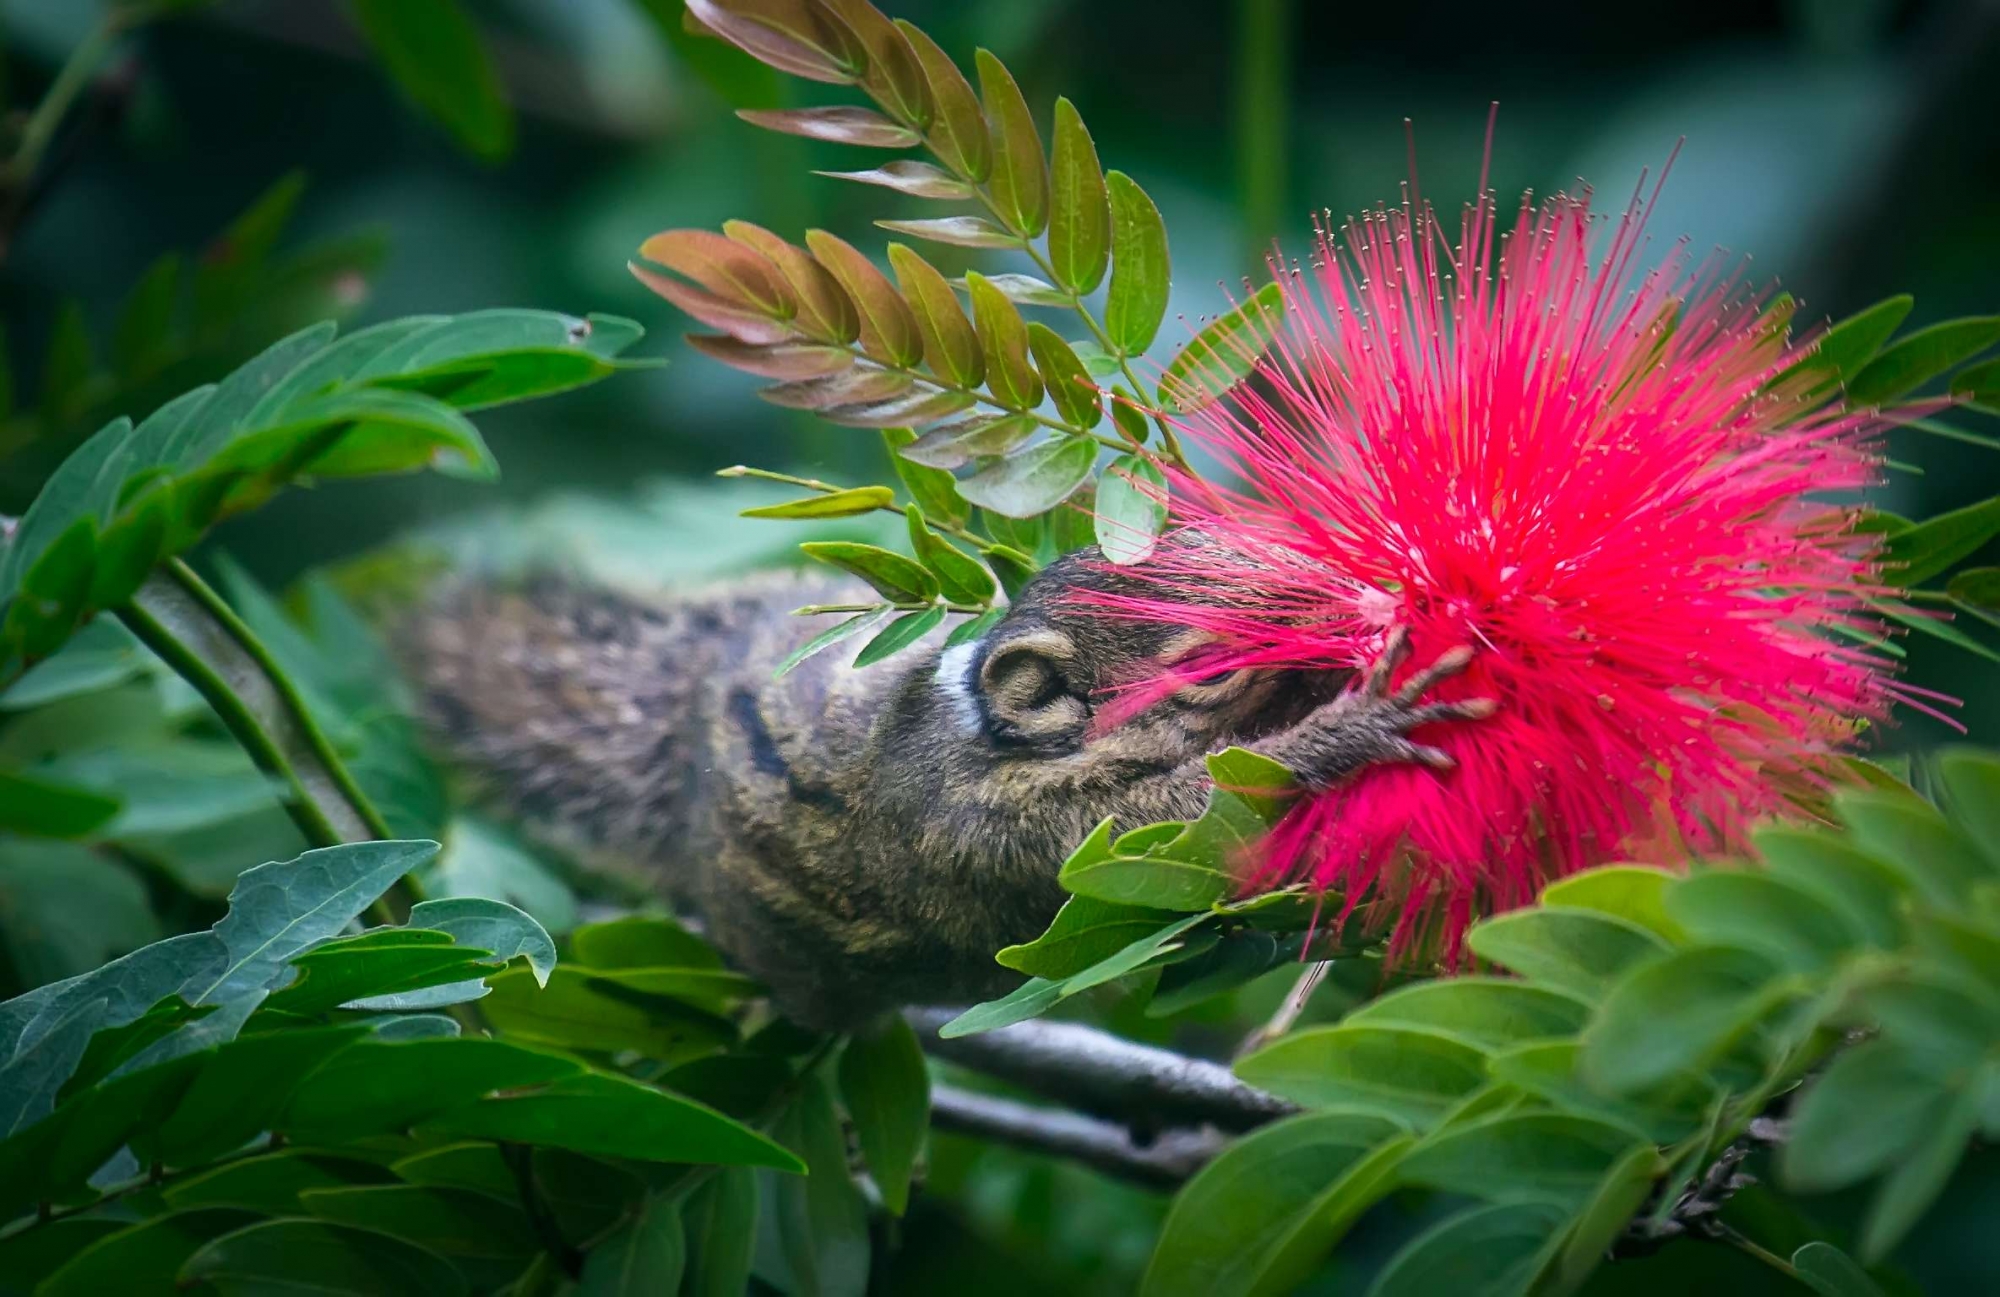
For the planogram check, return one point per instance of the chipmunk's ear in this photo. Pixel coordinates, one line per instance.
(1032, 690)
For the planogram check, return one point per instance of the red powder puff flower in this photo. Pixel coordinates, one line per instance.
(1603, 482)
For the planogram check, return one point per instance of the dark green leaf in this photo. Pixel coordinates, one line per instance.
(1031, 999)
(268, 1257)
(1830, 1272)
(1013, 568)
(1915, 1182)
(1140, 270)
(899, 635)
(1492, 1251)
(1225, 352)
(1080, 219)
(833, 635)
(1676, 1012)
(641, 941)
(1866, 1113)
(887, 1090)
(933, 490)
(961, 578)
(451, 1222)
(969, 630)
(721, 1230)
(1921, 356)
(579, 1011)
(1552, 1157)
(1972, 795)
(433, 50)
(43, 809)
(1979, 386)
(241, 1090)
(1612, 1204)
(1413, 1076)
(644, 1258)
(1930, 548)
(269, 1183)
(1069, 383)
(821, 1222)
(139, 1260)
(1849, 345)
(1759, 912)
(602, 1115)
(1264, 1213)
(896, 577)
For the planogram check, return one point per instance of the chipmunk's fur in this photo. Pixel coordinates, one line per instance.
(857, 838)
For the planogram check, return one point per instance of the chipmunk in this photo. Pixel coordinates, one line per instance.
(863, 839)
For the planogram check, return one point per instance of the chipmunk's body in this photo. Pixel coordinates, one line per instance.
(857, 838)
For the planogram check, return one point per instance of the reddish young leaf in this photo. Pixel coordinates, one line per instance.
(858, 385)
(824, 311)
(919, 179)
(802, 37)
(785, 360)
(724, 267)
(894, 77)
(955, 445)
(959, 231)
(889, 331)
(925, 405)
(715, 312)
(863, 126)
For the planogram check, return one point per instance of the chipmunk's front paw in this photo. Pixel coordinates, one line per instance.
(1373, 723)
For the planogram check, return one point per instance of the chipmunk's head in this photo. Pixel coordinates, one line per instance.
(1046, 680)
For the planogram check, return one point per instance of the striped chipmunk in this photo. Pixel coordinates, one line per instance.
(859, 839)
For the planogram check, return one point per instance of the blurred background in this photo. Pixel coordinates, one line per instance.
(1848, 146)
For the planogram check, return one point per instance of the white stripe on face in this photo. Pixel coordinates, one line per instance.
(954, 670)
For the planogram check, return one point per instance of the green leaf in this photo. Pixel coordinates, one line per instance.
(1031, 999)
(1003, 338)
(139, 1260)
(1080, 219)
(1921, 356)
(958, 129)
(721, 1230)
(1676, 1012)
(1131, 508)
(954, 445)
(1019, 184)
(1908, 834)
(1978, 386)
(268, 1257)
(969, 630)
(934, 491)
(1866, 1113)
(951, 348)
(898, 635)
(1635, 893)
(1848, 346)
(888, 1094)
(1579, 951)
(433, 51)
(1225, 352)
(1028, 483)
(1069, 383)
(1548, 1069)
(1551, 1157)
(51, 810)
(1913, 1185)
(1261, 1216)
(602, 1115)
(269, 1183)
(1930, 548)
(451, 1222)
(1141, 274)
(833, 504)
(28, 1256)
(646, 1257)
(894, 576)
(144, 337)
(833, 635)
(1413, 1076)
(1763, 913)
(962, 579)
(1013, 568)
(241, 1090)
(1830, 1272)
(341, 973)
(379, 1085)
(1866, 892)
(579, 1011)
(821, 1222)
(1491, 1251)
(1085, 931)
(1971, 779)
(1484, 1012)
(507, 931)
(641, 941)
(69, 364)
(1612, 1204)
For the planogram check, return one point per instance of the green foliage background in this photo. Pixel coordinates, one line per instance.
(255, 167)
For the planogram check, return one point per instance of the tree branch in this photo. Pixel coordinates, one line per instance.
(1163, 1163)
(1143, 1088)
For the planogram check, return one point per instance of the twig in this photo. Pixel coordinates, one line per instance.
(1288, 1012)
(1698, 1211)
(1095, 1072)
(1163, 1163)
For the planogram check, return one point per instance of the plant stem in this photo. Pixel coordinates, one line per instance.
(818, 609)
(1262, 88)
(237, 718)
(39, 131)
(1752, 1248)
(287, 692)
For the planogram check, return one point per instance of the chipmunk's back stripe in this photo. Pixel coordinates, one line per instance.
(766, 759)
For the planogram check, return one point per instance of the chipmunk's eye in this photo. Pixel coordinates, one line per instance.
(1029, 692)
